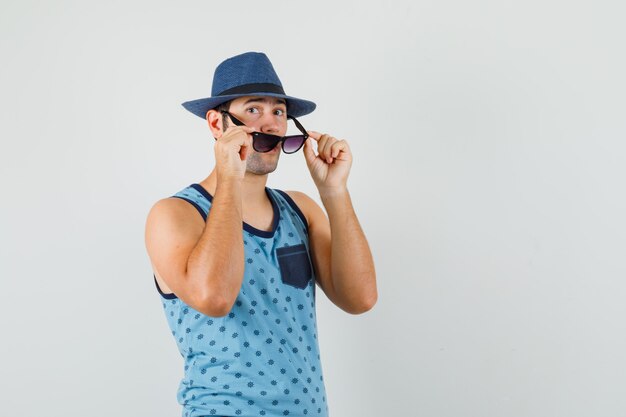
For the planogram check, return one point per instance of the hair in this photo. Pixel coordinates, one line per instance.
(224, 107)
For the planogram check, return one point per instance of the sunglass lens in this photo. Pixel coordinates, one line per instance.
(264, 143)
(293, 143)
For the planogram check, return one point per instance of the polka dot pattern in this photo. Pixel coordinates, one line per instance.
(262, 358)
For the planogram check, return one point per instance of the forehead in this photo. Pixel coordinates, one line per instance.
(242, 101)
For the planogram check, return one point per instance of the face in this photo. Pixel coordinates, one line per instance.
(263, 114)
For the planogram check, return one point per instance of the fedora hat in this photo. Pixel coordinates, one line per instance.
(247, 74)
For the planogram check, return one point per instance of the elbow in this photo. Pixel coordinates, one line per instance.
(218, 301)
(216, 307)
(364, 306)
(367, 301)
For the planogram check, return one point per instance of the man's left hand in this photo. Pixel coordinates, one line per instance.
(331, 166)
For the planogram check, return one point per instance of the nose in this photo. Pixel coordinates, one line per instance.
(270, 123)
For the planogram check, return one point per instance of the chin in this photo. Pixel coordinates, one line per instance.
(256, 165)
(263, 171)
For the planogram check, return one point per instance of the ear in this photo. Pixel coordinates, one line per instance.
(214, 119)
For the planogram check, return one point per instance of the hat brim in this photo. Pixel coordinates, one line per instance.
(296, 107)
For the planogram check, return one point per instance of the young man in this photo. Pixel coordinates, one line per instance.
(236, 262)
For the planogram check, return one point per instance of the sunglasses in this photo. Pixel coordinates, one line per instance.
(264, 142)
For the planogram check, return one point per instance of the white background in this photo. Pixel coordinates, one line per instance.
(488, 141)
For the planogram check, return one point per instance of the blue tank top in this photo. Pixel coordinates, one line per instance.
(262, 358)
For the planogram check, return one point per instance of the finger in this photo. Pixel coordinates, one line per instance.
(236, 129)
(327, 148)
(337, 148)
(309, 155)
(232, 130)
(235, 135)
(321, 140)
(322, 147)
(245, 147)
(313, 134)
(247, 138)
(248, 130)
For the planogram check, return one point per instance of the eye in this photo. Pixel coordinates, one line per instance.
(279, 112)
(255, 110)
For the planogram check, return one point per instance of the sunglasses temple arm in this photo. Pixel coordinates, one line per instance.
(233, 118)
(299, 126)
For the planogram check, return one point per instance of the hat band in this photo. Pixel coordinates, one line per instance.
(254, 88)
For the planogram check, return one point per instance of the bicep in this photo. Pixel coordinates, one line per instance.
(173, 228)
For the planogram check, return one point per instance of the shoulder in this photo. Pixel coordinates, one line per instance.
(170, 206)
(175, 213)
(298, 196)
(171, 225)
(301, 199)
(309, 208)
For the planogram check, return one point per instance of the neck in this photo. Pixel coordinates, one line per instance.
(252, 188)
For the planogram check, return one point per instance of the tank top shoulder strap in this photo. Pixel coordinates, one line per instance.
(197, 196)
(286, 203)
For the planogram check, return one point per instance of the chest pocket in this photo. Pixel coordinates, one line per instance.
(295, 265)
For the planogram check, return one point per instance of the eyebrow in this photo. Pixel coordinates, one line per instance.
(264, 99)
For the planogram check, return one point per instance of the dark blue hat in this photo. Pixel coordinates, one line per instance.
(248, 74)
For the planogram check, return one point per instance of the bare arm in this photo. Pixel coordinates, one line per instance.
(216, 263)
(351, 264)
(341, 255)
(203, 264)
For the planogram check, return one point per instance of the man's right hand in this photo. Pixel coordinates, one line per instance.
(231, 151)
